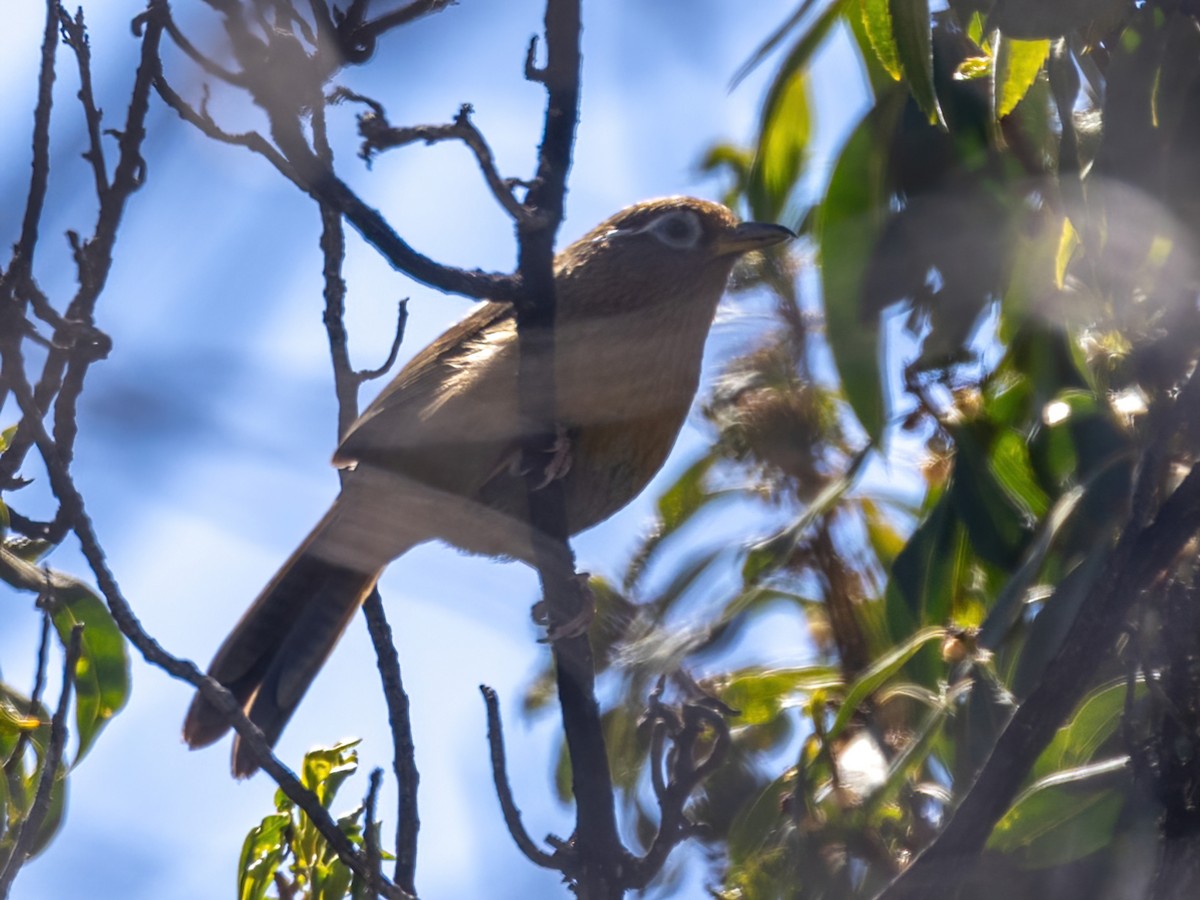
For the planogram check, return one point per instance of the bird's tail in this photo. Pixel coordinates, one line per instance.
(275, 651)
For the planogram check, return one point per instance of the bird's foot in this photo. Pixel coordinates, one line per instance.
(578, 624)
(560, 458)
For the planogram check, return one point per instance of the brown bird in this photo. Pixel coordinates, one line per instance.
(435, 456)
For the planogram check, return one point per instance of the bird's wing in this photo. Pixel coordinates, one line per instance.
(457, 392)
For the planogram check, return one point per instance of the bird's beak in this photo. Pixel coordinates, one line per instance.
(752, 236)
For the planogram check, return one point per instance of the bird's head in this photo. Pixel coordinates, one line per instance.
(661, 250)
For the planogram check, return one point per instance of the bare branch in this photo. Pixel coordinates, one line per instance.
(404, 752)
(71, 501)
(689, 729)
(358, 37)
(40, 176)
(213, 68)
(324, 186)
(364, 375)
(378, 136)
(200, 118)
(370, 837)
(75, 35)
(346, 384)
(512, 815)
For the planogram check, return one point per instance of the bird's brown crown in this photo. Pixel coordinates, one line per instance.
(659, 251)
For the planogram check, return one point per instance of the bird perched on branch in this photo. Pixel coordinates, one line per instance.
(436, 456)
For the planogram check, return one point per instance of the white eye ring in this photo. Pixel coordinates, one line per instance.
(679, 230)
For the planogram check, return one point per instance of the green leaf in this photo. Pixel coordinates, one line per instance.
(760, 694)
(1011, 601)
(1010, 466)
(102, 681)
(1052, 623)
(877, 22)
(1052, 825)
(1018, 64)
(325, 769)
(783, 135)
(875, 675)
(997, 526)
(686, 495)
(14, 717)
(848, 226)
(1067, 245)
(928, 573)
(1095, 721)
(914, 46)
(262, 853)
(773, 41)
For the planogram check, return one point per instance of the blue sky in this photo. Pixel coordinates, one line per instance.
(205, 437)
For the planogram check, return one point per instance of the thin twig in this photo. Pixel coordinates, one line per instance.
(327, 188)
(51, 764)
(68, 496)
(512, 815)
(364, 375)
(213, 68)
(21, 265)
(16, 757)
(697, 723)
(75, 36)
(378, 136)
(346, 384)
(404, 754)
(251, 140)
(94, 257)
(40, 176)
(370, 835)
(358, 38)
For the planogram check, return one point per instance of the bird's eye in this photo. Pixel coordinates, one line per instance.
(678, 230)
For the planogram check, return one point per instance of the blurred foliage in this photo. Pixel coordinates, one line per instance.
(286, 857)
(1007, 253)
(99, 680)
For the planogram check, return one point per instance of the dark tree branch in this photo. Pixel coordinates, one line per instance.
(75, 36)
(512, 815)
(364, 375)
(346, 385)
(379, 136)
(40, 176)
(1135, 565)
(404, 754)
(286, 101)
(370, 837)
(324, 186)
(213, 68)
(78, 340)
(69, 497)
(599, 863)
(689, 729)
(357, 37)
(20, 267)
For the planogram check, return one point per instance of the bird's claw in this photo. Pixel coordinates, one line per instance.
(560, 458)
(578, 624)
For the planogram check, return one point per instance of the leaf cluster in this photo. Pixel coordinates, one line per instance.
(1007, 245)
